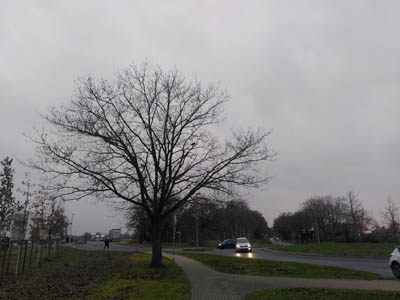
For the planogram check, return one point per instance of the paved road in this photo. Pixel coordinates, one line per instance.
(208, 284)
(374, 265)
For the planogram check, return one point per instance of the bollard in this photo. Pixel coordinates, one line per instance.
(39, 255)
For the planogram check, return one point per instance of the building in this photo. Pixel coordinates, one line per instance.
(20, 226)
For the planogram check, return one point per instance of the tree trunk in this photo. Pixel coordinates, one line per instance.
(156, 258)
(316, 224)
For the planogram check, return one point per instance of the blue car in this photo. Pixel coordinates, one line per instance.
(229, 243)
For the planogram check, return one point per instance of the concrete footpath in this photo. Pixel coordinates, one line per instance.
(208, 284)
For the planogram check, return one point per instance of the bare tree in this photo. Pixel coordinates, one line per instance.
(138, 220)
(146, 138)
(328, 213)
(336, 207)
(49, 215)
(391, 215)
(27, 193)
(315, 207)
(355, 212)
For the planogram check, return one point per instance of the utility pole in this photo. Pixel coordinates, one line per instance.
(173, 246)
(72, 220)
(197, 230)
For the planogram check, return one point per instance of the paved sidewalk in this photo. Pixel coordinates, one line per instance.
(208, 284)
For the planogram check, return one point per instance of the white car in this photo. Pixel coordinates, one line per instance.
(394, 262)
(243, 244)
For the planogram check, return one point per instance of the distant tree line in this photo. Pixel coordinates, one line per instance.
(329, 218)
(391, 217)
(324, 218)
(214, 221)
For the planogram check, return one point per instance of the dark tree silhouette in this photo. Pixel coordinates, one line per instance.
(391, 216)
(146, 138)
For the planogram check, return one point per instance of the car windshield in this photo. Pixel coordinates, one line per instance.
(242, 240)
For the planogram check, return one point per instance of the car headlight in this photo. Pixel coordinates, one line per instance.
(237, 246)
(219, 244)
(249, 245)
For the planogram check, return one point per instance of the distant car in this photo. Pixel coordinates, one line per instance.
(394, 262)
(243, 244)
(226, 244)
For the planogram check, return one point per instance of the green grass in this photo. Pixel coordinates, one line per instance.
(177, 245)
(341, 249)
(133, 243)
(14, 256)
(164, 245)
(208, 244)
(139, 281)
(260, 244)
(80, 274)
(199, 249)
(319, 294)
(262, 267)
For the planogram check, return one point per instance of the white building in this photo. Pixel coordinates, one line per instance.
(20, 227)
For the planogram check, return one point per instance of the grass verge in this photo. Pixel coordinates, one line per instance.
(263, 267)
(199, 249)
(318, 294)
(164, 245)
(80, 274)
(28, 255)
(139, 281)
(340, 249)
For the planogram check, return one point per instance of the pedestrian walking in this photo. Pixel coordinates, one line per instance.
(106, 244)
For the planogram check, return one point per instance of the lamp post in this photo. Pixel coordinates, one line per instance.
(196, 213)
(197, 230)
(72, 220)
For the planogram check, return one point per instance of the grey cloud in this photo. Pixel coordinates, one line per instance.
(323, 75)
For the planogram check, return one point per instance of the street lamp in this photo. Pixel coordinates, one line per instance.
(72, 220)
(197, 230)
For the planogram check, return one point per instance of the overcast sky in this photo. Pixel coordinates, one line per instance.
(322, 75)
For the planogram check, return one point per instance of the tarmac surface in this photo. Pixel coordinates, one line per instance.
(374, 265)
(207, 284)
